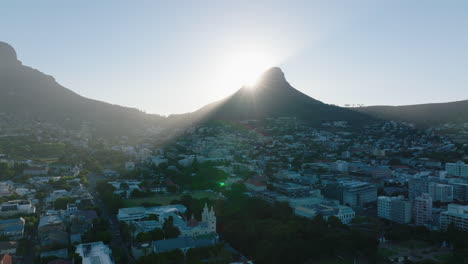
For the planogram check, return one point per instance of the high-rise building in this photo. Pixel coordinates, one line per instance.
(384, 207)
(440, 192)
(422, 209)
(460, 191)
(416, 187)
(397, 209)
(401, 211)
(457, 215)
(459, 169)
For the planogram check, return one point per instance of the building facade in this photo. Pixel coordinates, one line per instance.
(95, 252)
(459, 169)
(396, 209)
(422, 209)
(457, 215)
(440, 192)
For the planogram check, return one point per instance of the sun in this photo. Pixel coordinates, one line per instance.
(247, 66)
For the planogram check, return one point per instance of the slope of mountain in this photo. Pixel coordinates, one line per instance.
(423, 115)
(272, 96)
(30, 94)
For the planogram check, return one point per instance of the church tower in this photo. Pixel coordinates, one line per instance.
(209, 218)
(205, 213)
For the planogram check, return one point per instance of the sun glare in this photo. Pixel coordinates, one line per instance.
(247, 66)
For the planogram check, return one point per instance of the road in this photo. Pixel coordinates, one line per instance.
(117, 241)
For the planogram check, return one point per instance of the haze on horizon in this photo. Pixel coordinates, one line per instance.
(168, 58)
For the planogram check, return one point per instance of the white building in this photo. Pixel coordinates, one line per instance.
(440, 192)
(422, 209)
(459, 169)
(95, 252)
(384, 207)
(11, 208)
(396, 209)
(456, 214)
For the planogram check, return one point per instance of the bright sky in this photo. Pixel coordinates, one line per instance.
(176, 56)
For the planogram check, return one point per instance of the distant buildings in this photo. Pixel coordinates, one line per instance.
(422, 209)
(255, 185)
(36, 171)
(96, 252)
(459, 169)
(326, 209)
(457, 215)
(292, 189)
(439, 192)
(341, 166)
(138, 215)
(396, 209)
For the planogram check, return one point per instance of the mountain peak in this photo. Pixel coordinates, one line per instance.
(271, 76)
(7, 54)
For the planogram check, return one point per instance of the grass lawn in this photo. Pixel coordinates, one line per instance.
(443, 257)
(164, 199)
(385, 252)
(415, 244)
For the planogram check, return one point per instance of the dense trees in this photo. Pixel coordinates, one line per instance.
(61, 203)
(171, 257)
(273, 234)
(99, 232)
(156, 234)
(106, 192)
(170, 231)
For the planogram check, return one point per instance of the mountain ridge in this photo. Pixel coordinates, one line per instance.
(30, 94)
(423, 115)
(272, 96)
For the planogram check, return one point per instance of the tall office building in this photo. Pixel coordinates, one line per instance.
(459, 169)
(397, 209)
(440, 192)
(422, 209)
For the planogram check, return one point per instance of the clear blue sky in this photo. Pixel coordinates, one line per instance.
(170, 56)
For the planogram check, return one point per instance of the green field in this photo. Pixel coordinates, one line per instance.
(164, 199)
